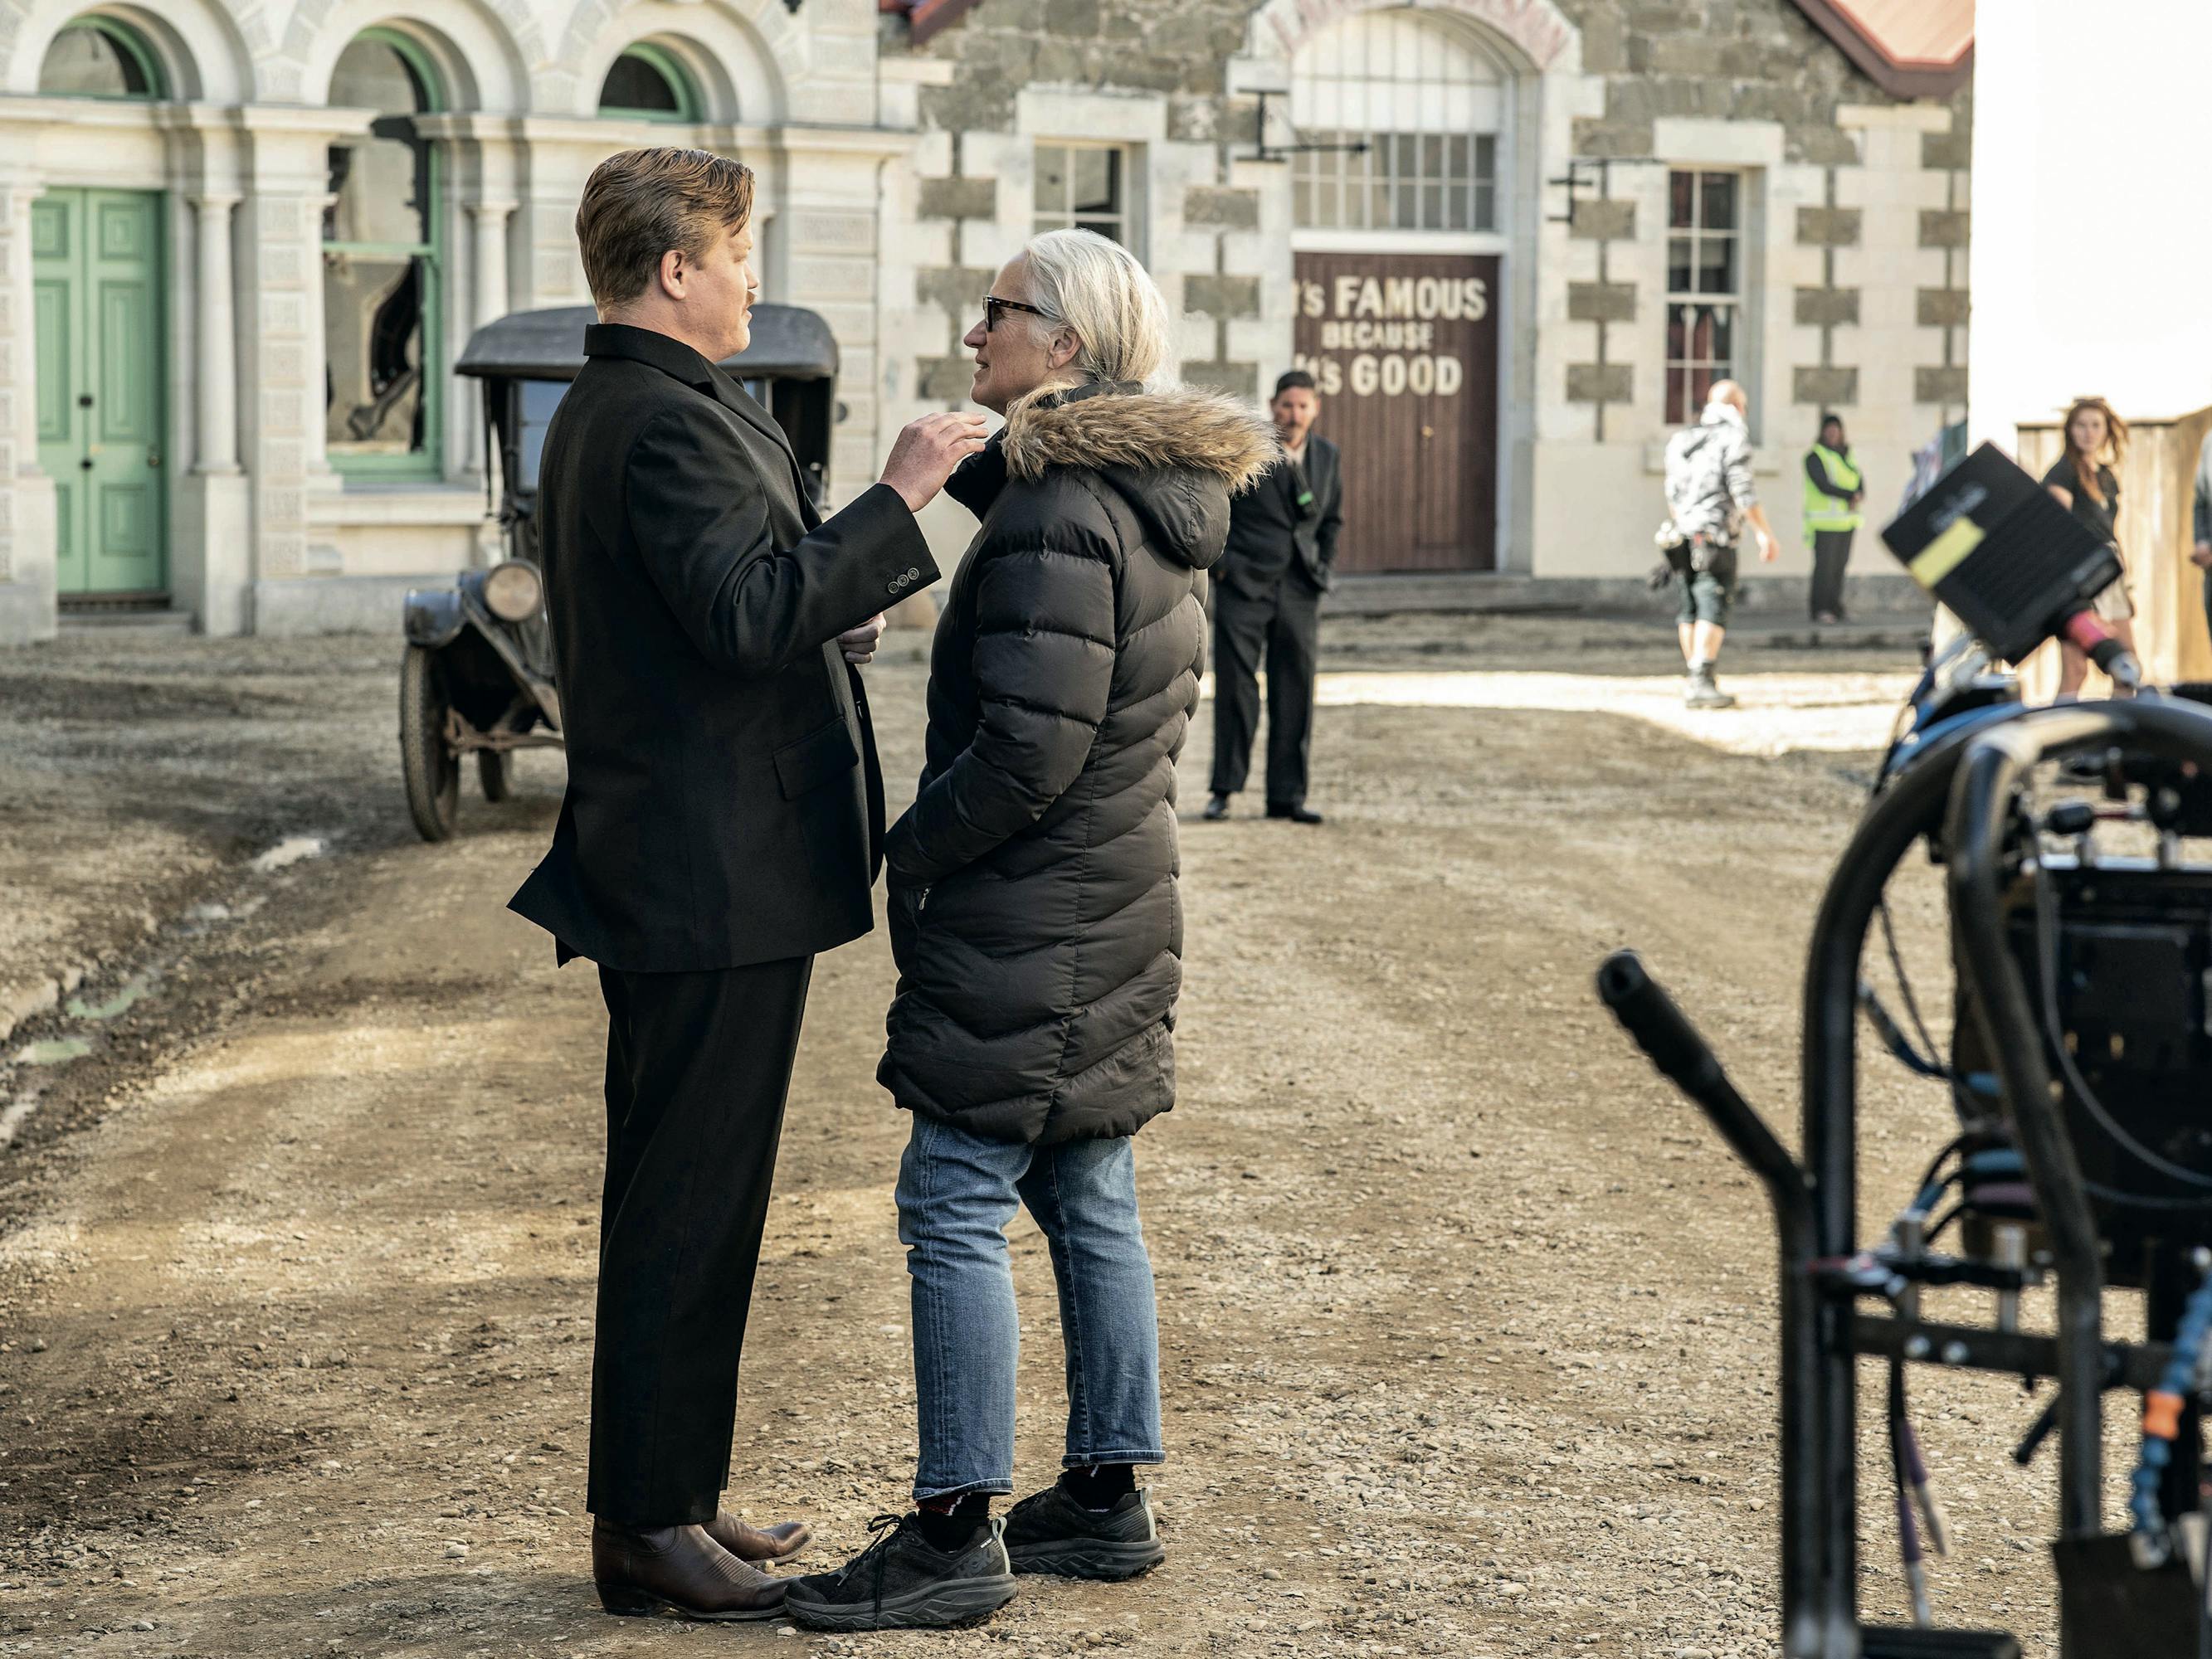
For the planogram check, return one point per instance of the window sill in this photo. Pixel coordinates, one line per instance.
(370, 501)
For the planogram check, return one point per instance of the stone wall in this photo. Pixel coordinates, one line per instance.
(1707, 60)
(1125, 56)
(1760, 61)
(1856, 251)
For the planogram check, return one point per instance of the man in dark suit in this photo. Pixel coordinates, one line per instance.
(721, 826)
(1267, 607)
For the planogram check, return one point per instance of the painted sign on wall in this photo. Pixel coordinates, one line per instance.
(1403, 349)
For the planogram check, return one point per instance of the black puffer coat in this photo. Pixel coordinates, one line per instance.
(1034, 912)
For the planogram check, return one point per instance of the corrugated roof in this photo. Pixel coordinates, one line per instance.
(1920, 34)
(1909, 48)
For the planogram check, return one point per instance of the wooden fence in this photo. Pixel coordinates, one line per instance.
(2157, 484)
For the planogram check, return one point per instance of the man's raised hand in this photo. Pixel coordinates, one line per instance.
(859, 644)
(926, 451)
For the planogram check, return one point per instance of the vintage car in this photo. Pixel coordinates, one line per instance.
(478, 677)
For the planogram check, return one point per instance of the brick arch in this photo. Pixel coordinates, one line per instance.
(510, 23)
(1536, 29)
(779, 46)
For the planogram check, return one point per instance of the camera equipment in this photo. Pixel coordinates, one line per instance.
(2077, 1152)
(1991, 543)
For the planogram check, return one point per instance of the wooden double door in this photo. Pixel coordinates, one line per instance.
(97, 281)
(1403, 349)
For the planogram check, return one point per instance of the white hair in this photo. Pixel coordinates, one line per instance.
(1095, 288)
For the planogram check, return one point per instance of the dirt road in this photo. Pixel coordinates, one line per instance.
(1466, 1323)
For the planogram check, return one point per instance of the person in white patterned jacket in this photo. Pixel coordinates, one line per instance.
(1711, 500)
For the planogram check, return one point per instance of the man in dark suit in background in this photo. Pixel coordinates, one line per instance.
(721, 826)
(1267, 606)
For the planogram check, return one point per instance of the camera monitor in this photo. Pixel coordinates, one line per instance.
(1995, 546)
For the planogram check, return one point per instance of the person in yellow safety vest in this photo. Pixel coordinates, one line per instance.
(1833, 491)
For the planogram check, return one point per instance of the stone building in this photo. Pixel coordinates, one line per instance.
(1569, 217)
(242, 241)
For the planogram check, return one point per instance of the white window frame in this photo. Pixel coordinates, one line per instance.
(1736, 303)
(1124, 216)
(1308, 168)
(1364, 88)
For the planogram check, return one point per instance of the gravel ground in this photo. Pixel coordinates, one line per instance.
(1465, 1322)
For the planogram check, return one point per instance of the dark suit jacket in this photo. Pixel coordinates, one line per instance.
(1267, 534)
(724, 804)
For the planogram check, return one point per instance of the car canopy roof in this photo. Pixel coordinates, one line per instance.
(789, 342)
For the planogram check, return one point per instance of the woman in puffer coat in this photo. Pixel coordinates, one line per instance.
(1036, 926)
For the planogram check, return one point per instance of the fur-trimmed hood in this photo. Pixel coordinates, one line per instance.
(1177, 455)
(1103, 426)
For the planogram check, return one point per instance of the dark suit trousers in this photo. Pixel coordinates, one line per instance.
(698, 1065)
(1282, 631)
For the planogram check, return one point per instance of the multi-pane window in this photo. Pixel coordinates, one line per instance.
(1401, 181)
(1427, 106)
(1083, 187)
(381, 263)
(1705, 286)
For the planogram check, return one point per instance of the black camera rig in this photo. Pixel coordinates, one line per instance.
(2079, 1074)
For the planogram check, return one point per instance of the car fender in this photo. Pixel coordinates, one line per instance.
(434, 617)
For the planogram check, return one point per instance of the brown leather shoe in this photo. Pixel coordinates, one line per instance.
(679, 1570)
(748, 1543)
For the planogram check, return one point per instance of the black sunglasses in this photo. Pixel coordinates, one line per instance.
(994, 309)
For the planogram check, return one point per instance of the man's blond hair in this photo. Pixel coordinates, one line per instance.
(642, 204)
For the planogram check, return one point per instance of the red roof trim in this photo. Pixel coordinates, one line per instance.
(928, 17)
(1899, 78)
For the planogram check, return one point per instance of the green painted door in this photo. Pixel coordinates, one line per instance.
(96, 272)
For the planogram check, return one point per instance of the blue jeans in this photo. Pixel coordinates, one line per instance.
(956, 1192)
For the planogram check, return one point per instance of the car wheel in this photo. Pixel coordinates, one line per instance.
(432, 770)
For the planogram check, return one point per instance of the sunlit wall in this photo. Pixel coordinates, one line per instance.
(2092, 264)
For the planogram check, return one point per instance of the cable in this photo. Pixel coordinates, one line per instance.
(1894, 1039)
(2055, 1035)
(2046, 932)
(2162, 1412)
(1904, 983)
(1957, 1143)
(1931, 672)
(1924, 1063)
(1936, 1231)
(1896, 1043)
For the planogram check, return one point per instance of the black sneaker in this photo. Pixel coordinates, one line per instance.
(900, 1583)
(1050, 1532)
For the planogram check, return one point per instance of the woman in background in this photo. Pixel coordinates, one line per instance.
(2084, 483)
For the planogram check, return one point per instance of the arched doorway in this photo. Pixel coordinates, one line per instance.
(1398, 209)
(98, 287)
